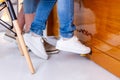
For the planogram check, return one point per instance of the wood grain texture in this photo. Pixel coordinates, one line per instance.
(53, 23)
(107, 62)
(106, 42)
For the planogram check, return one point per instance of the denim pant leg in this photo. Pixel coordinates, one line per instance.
(43, 10)
(66, 15)
(30, 6)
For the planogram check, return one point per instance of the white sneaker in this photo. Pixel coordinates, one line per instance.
(72, 45)
(36, 45)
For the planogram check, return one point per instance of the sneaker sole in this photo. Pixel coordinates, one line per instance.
(70, 50)
(52, 52)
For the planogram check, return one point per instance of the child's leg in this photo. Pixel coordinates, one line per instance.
(29, 11)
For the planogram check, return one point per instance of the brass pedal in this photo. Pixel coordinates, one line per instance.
(83, 55)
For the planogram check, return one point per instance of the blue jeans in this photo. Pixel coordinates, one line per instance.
(30, 6)
(65, 13)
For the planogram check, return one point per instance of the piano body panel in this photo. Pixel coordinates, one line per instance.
(105, 42)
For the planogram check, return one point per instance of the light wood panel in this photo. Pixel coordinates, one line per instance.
(53, 23)
(106, 42)
(109, 63)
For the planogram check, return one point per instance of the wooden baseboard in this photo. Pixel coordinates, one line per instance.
(107, 62)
